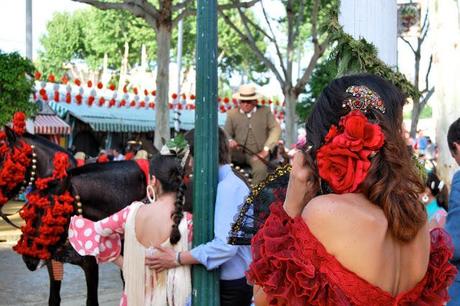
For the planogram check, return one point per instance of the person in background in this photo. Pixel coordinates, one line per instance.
(453, 216)
(117, 156)
(422, 142)
(102, 157)
(232, 260)
(81, 158)
(435, 199)
(253, 132)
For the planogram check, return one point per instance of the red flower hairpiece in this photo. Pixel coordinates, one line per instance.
(343, 161)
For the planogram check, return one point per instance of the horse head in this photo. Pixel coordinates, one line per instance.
(31, 156)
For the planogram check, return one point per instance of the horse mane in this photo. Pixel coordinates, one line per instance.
(43, 142)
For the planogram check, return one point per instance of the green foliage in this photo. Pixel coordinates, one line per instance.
(64, 41)
(323, 74)
(89, 34)
(356, 56)
(16, 86)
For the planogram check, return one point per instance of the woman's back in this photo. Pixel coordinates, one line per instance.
(356, 233)
(153, 222)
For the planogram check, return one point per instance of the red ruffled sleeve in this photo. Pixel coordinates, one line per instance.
(294, 268)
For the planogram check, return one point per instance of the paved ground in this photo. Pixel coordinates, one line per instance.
(19, 286)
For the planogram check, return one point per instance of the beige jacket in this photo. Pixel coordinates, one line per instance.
(266, 129)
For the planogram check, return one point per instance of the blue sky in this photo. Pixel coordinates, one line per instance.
(13, 22)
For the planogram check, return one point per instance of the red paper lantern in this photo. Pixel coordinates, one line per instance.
(142, 104)
(90, 100)
(112, 87)
(90, 84)
(112, 102)
(174, 96)
(135, 90)
(78, 98)
(122, 103)
(179, 106)
(146, 92)
(222, 109)
(125, 89)
(51, 78)
(45, 97)
(56, 96)
(154, 92)
(77, 82)
(68, 98)
(101, 101)
(100, 85)
(226, 100)
(133, 103)
(192, 97)
(152, 105)
(42, 92)
(37, 75)
(65, 80)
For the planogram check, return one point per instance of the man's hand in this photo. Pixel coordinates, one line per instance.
(303, 185)
(232, 144)
(262, 154)
(162, 259)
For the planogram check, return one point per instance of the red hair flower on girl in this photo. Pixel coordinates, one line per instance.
(343, 161)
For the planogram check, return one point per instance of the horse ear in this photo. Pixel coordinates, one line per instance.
(10, 135)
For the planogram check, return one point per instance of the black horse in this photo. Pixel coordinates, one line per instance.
(102, 189)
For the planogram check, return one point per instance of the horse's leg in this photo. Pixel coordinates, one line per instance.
(55, 287)
(91, 268)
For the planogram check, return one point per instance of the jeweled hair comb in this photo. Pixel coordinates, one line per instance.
(363, 99)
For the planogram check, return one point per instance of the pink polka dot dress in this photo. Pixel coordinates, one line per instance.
(100, 239)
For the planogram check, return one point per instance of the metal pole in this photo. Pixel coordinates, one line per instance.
(205, 284)
(29, 29)
(179, 68)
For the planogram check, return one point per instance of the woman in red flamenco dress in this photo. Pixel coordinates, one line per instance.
(351, 230)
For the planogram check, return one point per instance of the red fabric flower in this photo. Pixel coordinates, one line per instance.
(343, 161)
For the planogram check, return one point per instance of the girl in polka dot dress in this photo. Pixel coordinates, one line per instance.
(145, 227)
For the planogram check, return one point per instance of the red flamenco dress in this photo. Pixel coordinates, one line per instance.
(294, 268)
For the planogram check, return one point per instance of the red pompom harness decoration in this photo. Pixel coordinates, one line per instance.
(16, 159)
(46, 215)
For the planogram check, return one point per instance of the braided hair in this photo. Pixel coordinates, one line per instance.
(167, 169)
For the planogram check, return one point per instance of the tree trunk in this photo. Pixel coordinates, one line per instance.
(162, 85)
(446, 56)
(290, 119)
(414, 117)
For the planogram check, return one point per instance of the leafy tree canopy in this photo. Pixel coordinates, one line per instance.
(16, 86)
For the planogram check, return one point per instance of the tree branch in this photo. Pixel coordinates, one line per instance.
(237, 4)
(407, 42)
(318, 51)
(426, 98)
(274, 41)
(139, 8)
(427, 75)
(251, 43)
(299, 19)
(181, 5)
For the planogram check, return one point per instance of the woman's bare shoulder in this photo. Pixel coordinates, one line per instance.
(333, 216)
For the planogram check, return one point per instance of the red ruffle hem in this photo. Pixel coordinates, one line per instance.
(294, 268)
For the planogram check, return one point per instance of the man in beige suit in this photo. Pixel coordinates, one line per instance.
(253, 127)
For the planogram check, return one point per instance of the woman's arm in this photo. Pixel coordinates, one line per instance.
(119, 261)
(303, 185)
